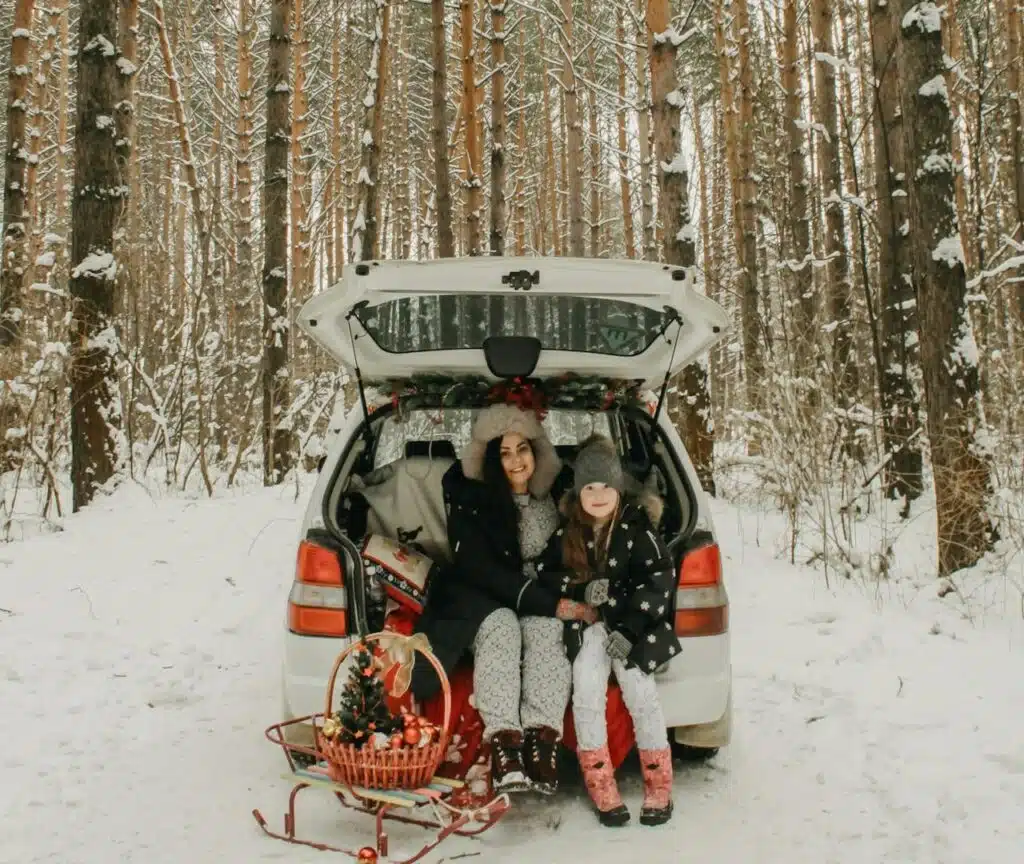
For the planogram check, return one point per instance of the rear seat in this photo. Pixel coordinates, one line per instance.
(405, 498)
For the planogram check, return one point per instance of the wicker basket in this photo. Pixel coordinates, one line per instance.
(404, 768)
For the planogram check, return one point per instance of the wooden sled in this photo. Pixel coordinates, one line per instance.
(426, 807)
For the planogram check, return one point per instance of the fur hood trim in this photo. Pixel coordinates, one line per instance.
(635, 494)
(496, 421)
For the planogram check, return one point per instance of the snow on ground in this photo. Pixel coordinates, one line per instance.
(139, 666)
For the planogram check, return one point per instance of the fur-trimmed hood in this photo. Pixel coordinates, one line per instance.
(635, 494)
(496, 421)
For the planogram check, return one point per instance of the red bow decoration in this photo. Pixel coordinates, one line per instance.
(522, 394)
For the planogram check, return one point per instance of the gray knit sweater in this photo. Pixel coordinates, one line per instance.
(538, 519)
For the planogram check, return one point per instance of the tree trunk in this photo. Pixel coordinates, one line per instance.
(623, 142)
(948, 351)
(550, 173)
(595, 148)
(899, 395)
(1013, 34)
(277, 453)
(643, 134)
(365, 236)
(243, 170)
(498, 127)
(474, 185)
(41, 112)
(800, 264)
(60, 184)
(126, 233)
(693, 405)
(15, 240)
(710, 263)
(334, 200)
(574, 133)
(95, 396)
(753, 333)
(300, 196)
(519, 196)
(844, 370)
(443, 193)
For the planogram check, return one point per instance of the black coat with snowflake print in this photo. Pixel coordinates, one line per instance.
(641, 580)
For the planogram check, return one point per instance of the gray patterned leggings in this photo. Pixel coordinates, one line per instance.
(521, 674)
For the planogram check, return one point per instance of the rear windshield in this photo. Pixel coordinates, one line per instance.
(445, 323)
(399, 433)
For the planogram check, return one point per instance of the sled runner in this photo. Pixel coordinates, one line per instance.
(388, 784)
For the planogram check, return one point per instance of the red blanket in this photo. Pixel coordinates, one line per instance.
(467, 756)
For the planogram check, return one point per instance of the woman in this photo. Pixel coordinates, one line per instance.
(501, 514)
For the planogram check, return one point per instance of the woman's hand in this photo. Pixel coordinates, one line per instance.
(570, 610)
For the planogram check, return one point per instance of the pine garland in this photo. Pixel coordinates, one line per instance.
(569, 391)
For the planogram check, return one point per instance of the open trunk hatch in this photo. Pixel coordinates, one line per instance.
(594, 317)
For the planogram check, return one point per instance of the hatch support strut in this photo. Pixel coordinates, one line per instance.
(674, 316)
(367, 434)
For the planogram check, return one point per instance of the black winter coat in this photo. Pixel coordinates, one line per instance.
(486, 574)
(641, 579)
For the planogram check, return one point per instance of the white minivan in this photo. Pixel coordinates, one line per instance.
(427, 343)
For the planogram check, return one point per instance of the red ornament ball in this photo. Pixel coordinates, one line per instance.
(368, 855)
(411, 736)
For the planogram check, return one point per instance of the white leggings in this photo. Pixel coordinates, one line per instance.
(590, 696)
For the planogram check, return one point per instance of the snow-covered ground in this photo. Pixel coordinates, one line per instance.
(139, 666)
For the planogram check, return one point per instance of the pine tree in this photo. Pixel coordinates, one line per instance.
(363, 707)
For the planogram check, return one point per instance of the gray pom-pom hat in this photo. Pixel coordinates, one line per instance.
(496, 421)
(598, 462)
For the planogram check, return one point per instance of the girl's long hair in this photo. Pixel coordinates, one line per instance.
(495, 480)
(579, 528)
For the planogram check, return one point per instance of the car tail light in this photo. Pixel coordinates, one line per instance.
(702, 605)
(318, 604)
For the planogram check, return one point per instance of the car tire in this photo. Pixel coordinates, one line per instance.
(693, 755)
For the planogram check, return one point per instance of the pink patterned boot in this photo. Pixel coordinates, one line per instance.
(657, 769)
(599, 777)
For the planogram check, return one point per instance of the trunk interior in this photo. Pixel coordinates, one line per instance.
(388, 481)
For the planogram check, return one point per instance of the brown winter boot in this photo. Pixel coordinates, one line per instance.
(507, 771)
(599, 777)
(540, 756)
(657, 769)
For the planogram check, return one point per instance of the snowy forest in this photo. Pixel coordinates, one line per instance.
(845, 178)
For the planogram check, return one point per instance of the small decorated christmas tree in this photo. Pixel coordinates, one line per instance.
(363, 708)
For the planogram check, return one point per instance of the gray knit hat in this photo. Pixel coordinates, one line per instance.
(598, 462)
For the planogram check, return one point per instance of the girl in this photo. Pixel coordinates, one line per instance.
(617, 563)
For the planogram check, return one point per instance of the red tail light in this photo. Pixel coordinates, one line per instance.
(318, 604)
(702, 605)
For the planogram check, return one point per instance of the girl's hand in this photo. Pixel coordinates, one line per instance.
(570, 610)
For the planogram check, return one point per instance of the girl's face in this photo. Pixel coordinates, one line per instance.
(517, 461)
(599, 501)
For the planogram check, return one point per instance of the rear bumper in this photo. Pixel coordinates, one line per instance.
(694, 689)
(307, 664)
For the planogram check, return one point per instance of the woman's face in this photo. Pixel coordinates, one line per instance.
(517, 461)
(599, 501)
